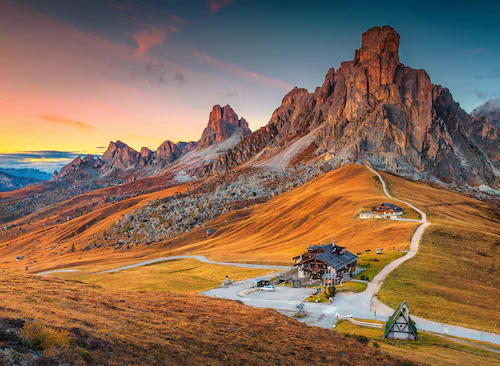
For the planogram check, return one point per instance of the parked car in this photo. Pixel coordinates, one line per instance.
(269, 288)
(18, 258)
(379, 251)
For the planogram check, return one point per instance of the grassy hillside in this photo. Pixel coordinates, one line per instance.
(429, 349)
(454, 278)
(274, 231)
(183, 276)
(85, 324)
(315, 212)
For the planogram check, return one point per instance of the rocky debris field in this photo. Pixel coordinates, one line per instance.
(179, 214)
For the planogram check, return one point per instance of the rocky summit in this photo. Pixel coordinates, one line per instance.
(375, 108)
(223, 123)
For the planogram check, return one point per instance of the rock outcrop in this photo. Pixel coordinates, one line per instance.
(169, 152)
(223, 123)
(79, 169)
(375, 108)
(120, 156)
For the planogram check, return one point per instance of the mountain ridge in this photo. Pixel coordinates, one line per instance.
(10, 182)
(376, 108)
(122, 162)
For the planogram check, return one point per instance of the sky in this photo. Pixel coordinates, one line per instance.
(75, 75)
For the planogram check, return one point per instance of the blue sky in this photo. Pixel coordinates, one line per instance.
(79, 74)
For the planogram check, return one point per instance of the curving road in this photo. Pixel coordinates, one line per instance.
(201, 258)
(377, 281)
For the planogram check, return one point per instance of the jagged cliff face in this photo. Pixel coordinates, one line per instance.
(223, 123)
(79, 169)
(376, 108)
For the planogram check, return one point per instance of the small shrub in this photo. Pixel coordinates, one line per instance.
(40, 336)
(362, 339)
(376, 345)
(331, 291)
(85, 355)
(365, 278)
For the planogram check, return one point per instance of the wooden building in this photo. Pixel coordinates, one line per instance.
(330, 261)
(388, 210)
(400, 325)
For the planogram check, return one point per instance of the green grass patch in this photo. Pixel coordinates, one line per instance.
(374, 263)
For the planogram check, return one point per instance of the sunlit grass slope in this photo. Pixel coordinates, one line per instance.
(186, 276)
(454, 278)
(429, 349)
(316, 212)
(159, 328)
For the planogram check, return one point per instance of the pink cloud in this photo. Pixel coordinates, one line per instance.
(151, 36)
(81, 126)
(241, 71)
(215, 5)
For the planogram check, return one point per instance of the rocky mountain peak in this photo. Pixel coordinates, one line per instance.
(120, 156)
(379, 53)
(223, 123)
(79, 169)
(374, 108)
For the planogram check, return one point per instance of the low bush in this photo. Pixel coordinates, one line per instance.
(362, 339)
(42, 337)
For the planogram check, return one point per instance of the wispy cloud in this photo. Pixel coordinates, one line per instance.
(54, 118)
(478, 51)
(215, 5)
(46, 160)
(152, 26)
(485, 95)
(240, 71)
(179, 76)
(495, 75)
(151, 36)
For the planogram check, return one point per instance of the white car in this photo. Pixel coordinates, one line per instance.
(268, 288)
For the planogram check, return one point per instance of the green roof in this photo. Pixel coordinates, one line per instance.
(390, 322)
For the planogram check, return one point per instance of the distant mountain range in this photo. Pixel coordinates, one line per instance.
(26, 173)
(9, 182)
(490, 109)
(371, 109)
(185, 159)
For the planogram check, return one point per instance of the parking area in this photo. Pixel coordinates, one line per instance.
(282, 293)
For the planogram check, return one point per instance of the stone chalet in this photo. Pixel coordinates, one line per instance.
(326, 261)
(383, 211)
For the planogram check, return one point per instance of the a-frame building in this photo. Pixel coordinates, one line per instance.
(400, 325)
